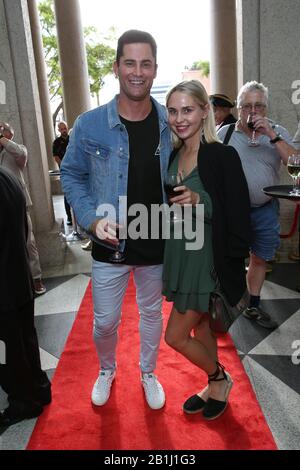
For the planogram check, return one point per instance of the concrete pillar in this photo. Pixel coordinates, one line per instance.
(23, 110)
(248, 40)
(37, 42)
(223, 69)
(73, 62)
(268, 36)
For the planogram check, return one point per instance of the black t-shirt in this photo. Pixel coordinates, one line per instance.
(59, 146)
(144, 187)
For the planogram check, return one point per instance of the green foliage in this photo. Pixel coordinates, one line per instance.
(100, 56)
(202, 65)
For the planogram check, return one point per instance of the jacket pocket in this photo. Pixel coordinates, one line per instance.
(99, 157)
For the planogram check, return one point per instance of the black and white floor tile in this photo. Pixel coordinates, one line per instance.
(55, 312)
(271, 358)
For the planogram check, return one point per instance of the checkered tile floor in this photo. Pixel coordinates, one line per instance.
(271, 358)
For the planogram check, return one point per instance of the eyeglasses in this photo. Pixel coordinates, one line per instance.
(249, 106)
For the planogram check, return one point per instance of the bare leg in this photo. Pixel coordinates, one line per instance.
(256, 274)
(204, 334)
(199, 352)
(178, 336)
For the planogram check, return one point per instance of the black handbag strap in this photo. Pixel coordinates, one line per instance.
(229, 133)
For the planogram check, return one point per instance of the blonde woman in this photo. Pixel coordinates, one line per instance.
(213, 176)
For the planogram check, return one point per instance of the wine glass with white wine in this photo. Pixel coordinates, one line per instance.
(293, 168)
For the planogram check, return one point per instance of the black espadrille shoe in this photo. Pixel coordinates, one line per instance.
(215, 408)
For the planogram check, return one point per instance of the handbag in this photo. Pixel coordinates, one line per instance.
(221, 313)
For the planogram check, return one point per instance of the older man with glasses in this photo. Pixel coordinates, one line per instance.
(262, 146)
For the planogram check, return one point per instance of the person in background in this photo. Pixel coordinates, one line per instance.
(295, 255)
(262, 148)
(27, 386)
(296, 138)
(59, 148)
(13, 157)
(125, 153)
(213, 176)
(222, 107)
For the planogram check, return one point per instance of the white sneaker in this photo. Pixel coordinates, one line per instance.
(154, 392)
(102, 386)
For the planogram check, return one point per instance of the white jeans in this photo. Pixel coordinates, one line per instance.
(109, 283)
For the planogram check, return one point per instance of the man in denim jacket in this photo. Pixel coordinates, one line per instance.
(122, 150)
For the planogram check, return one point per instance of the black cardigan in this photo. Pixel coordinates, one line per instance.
(221, 173)
(15, 277)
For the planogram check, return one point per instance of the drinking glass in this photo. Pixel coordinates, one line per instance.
(253, 142)
(293, 168)
(173, 180)
(117, 256)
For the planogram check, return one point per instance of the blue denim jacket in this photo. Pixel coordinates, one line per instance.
(94, 169)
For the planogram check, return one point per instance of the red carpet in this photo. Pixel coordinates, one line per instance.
(126, 422)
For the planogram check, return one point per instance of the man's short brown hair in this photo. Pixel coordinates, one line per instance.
(134, 36)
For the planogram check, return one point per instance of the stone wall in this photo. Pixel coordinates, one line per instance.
(20, 106)
(268, 38)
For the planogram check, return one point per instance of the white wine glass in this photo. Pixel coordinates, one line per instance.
(293, 168)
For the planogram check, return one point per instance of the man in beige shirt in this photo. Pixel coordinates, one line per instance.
(13, 157)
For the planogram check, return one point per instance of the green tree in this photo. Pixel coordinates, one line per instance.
(100, 56)
(202, 65)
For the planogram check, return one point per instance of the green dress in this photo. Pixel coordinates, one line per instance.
(187, 279)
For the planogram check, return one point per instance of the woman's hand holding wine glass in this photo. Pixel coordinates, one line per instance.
(173, 184)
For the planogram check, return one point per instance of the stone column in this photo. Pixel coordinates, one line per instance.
(23, 110)
(223, 68)
(37, 42)
(248, 40)
(73, 62)
(268, 38)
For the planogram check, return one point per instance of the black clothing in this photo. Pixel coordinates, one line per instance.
(144, 187)
(21, 377)
(59, 146)
(221, 173)
(16, 282)
(230, 119)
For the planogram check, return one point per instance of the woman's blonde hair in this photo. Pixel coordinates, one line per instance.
(196, 90)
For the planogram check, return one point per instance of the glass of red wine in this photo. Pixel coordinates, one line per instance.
(253, 142)
(117, 256)
(173, 180)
